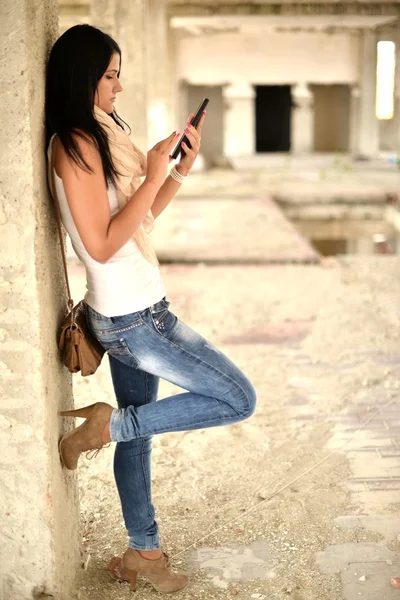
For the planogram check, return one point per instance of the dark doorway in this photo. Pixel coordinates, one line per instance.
(331, 247)
(273, 111)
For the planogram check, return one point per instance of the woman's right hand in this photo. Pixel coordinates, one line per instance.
(158, 159)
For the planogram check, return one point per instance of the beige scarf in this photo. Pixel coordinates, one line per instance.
(131, 163)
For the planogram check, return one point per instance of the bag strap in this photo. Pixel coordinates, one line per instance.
(58, 218)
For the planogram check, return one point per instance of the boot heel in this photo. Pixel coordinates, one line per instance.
(157, 571)
(60, 453)
(83, 413)
(132, 578)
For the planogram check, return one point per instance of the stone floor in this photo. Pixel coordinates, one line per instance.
(284, 177)
(229, 230)
(301, 501)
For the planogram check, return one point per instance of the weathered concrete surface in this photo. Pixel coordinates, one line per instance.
(263, 507)
(39, 540)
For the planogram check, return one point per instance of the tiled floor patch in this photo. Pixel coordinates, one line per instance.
(228, 563)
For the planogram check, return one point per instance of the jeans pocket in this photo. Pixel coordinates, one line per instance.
(163, 319)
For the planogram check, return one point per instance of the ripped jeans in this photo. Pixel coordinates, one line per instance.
(142, 347)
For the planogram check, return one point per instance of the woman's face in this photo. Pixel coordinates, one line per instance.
(108, 86)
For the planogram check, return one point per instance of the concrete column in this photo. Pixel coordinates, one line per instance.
(354, 118)
(396, 115)
(174, 98)
(363, 245)
(39, 549)
(302, 130)
(125, 21)
(239, 120)
(158, 72)
(368, 130)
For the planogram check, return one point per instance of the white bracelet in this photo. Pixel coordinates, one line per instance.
(177, 176)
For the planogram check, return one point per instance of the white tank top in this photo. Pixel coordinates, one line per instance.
(127, 282)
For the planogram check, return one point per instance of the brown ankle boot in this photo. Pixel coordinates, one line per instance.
(87, 436)
(157, 571)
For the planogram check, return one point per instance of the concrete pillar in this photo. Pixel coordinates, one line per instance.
(396, 114)
(354, 118)
(125, 21)
(158, 72)
(174, 97)
(368, 129)
(39, 549)
(389, 129)
(363, 246)
(302, 129)
(239, 120)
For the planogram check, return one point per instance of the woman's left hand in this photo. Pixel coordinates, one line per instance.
(194, 136)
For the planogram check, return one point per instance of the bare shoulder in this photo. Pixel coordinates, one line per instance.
(86, 194)
(67, 168)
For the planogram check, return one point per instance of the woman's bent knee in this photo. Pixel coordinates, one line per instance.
(249, 400)
(252, 397)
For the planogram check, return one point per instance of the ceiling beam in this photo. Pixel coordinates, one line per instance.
(208, 7)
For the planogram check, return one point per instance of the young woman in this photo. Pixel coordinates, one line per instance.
(108, 211)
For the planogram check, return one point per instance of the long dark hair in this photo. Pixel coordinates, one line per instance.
(77, 61)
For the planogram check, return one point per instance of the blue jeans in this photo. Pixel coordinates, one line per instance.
(142, 347)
